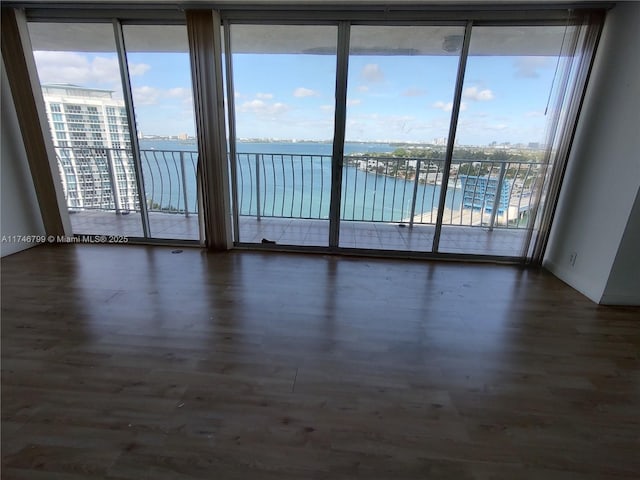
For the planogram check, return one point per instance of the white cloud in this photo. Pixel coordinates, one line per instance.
(534, 114)
(302, 92)
(372, 72)
(254, 104)
(278, 108)
(365, 126)
(483, 126)
(527, 67)
(354, 102)
(326, 108)
(474, 93)
(260, 107)
(179, 92)
(414, 92)
(363, 88)
(77, 69)
(138, 69)
(448, 106)
(264, 96)
(401, 124)
(146, 95)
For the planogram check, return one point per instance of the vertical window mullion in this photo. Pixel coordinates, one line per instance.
(133, 133)
(231, 115)
(337, 158)
(455, 112)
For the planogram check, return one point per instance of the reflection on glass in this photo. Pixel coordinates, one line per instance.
(499, 162)
(159, 70)
(400, 91)
(80, 78)
(284, 87)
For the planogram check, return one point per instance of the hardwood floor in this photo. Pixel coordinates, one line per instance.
(131, 362)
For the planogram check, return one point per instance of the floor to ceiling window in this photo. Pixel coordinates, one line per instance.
(116, 184)
(159, 72)
(451, 133)
(400, 91)
(441, 136)
(501, 157)
(284, 95)
(80, 77)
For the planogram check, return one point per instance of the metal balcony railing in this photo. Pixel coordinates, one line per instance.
(170, 181)
(374, 188)
(104, 179)
(388, 189)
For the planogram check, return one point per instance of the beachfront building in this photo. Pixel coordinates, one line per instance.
(91, 137)
(479, 192)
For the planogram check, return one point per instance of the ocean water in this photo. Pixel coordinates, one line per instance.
(290, 148)
(291, 180)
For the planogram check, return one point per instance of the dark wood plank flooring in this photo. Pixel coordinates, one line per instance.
(131, 362)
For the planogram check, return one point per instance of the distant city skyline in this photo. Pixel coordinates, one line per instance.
(438, 142)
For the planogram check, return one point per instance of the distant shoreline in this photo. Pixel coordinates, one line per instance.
(193, 141)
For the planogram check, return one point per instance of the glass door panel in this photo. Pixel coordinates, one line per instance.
(78, 69)
(284, 89)
(500, 159)
(399, 96)
(160, 76)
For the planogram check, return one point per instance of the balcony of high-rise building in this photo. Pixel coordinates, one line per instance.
(390, 201)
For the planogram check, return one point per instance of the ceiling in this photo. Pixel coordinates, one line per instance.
(308, 39)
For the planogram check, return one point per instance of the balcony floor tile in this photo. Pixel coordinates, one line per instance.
(304, 232)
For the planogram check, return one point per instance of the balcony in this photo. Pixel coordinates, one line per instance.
(388, 203)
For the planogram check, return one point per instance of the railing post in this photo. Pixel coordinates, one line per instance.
(258, 186)
(184, 185)
(415, 193)
(496, 200)
(112, 181)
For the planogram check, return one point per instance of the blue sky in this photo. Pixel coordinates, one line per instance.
(395, 98)
(390, 98)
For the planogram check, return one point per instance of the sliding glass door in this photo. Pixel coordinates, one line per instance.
(82, 89)
(284, 94)
(119, 104)
(159, 72)
(454, 135)
(510, 103)
(366, 132)
(400, 92)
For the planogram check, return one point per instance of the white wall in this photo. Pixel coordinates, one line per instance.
(623, 287)
(20, 213)
(594, 214)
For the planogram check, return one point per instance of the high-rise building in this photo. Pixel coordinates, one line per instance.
(479, 192)
(91, 137)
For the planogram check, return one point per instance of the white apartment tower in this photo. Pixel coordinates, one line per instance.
(91, 137)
